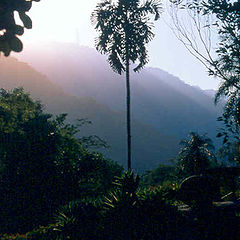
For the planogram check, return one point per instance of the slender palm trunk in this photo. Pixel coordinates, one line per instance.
(128, 116)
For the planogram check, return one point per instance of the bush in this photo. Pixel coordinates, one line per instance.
(134, 214)
(78, 220)
(41, 233)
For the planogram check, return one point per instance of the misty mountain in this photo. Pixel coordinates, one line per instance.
(150, 146)
(210, 92)
(159, 99)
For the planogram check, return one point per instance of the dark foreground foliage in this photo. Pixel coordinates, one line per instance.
(50, 178)
(130, 213)
(42, 164)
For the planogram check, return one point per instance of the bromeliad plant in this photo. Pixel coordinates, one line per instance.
(121, 208)
(131, 213)
(78, 220)
(126, 192)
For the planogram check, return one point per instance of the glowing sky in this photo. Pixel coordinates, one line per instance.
(60, 20)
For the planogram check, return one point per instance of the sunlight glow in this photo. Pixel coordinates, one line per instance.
(60, 20)
(69, 21)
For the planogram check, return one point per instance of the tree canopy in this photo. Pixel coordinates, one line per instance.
(124, 29)
(196, 155)
(42, 163)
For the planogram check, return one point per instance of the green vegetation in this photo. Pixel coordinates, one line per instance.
(196, 155)
(43, 164)
(162, 175)
(125, 30)
(54, 186)
(221, 17)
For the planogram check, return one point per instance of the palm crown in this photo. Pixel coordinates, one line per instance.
(125, 28)
(196, 155)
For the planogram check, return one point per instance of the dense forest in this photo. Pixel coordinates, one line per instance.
(75, 164)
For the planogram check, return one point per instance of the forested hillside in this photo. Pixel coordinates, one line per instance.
(158, 98)
(150, 146)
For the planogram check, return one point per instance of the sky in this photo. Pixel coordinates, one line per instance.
(69, 21)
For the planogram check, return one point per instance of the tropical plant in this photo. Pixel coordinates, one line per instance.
(124, 29)
(230, 153)
(196, 155)
(121, 208)
(132, 213)
(158, 218)
(161, 175)
(78, 220)
(231, 120)
(42, 164)
(8, 27)
(28, 146)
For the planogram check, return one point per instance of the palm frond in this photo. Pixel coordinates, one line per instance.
(143, 58)
(124, 29)
(153, 7)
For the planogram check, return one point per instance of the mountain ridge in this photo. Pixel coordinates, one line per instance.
(150, 147)
(158, 98)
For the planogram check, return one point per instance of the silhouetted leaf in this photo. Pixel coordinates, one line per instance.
(27, 22)
(19, 30)
(16, 45)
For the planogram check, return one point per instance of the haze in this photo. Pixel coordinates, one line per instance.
(69, 21)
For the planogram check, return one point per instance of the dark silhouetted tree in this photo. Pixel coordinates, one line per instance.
(8, 27)
(230, 153)
(124, 30)
(162, 174)
(196, 155)
(42, 163)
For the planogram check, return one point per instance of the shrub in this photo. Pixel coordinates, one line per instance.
(140, 214)
(78, 220)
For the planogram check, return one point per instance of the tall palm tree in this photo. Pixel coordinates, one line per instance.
(125, 28)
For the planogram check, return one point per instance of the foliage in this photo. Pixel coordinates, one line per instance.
(78, 220)
(229, 153)
(95, 175)
(221, 17)
(228, 62)
(231, 120)
(120, 217)
(195, 156)
(27, 152)
(8, 27)
(42, 164)
(159, 176)
(124, 30)
(158, 217)
(40, 233)
(168, 192)
(132, 213)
